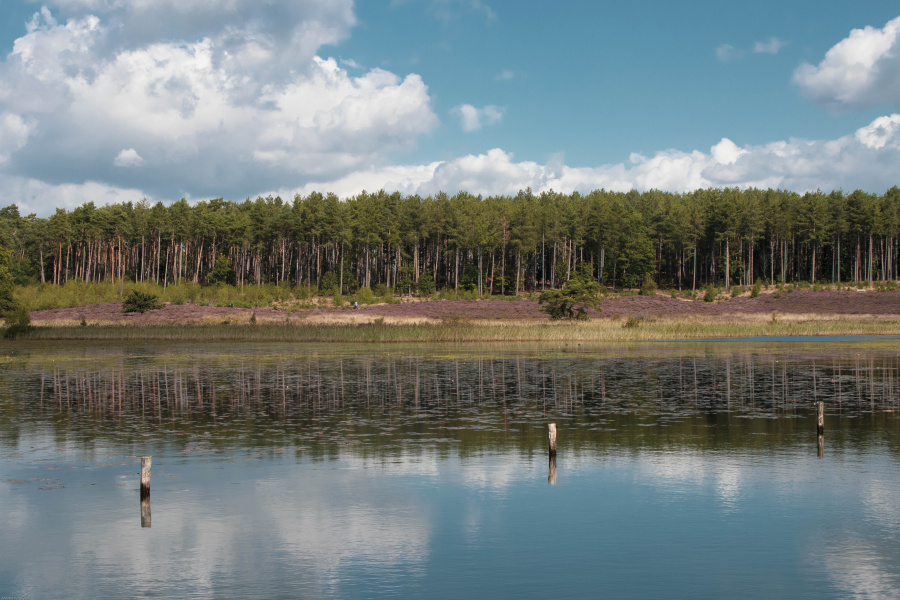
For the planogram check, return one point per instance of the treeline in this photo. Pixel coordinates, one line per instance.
(492, 245)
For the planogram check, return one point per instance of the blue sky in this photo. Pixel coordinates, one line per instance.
(114, 100)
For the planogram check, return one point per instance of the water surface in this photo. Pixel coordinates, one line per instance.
(284, 471)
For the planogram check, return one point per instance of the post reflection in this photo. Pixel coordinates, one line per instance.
(145, 510)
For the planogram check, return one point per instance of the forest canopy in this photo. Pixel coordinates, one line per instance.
(489, 245)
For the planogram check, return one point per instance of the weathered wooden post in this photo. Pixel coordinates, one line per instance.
(145, 476)
(820, 430)
(551, 474)
(145, 510)
(552, 431)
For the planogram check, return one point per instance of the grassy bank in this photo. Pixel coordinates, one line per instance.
(599, 330)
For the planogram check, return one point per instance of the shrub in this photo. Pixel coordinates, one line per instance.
(364, 295)
(648, 287)
(382, 290)
(572, 302)
(631, 322)
(710, 294)
(757, 286)
(140, 302)
(329, 285)
(425, 285)
(253, 318)
(338, 300)
(20, 320)
(222, 272)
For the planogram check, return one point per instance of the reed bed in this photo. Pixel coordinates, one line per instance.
(379, 331)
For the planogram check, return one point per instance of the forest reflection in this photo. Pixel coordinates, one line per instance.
(380, 404)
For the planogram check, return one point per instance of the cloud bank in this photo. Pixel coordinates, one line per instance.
(114, 100)
(861, 160)
(229, 104)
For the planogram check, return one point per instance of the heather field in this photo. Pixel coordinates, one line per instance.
(621, 318)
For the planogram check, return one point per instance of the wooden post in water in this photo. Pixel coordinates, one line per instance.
(820, 430)
(145, 476)
(145, 510)
(552, 431)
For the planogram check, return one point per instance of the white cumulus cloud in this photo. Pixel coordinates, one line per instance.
(863, 69)
(865, 159)
(472, 119)
(14, 132)
(128, 158)
(240, 100)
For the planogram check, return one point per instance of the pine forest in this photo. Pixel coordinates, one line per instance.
(494, 245)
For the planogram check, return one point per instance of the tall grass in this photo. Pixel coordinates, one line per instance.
(78, 293)
(600, 330)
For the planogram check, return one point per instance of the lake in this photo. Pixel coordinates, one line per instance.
(684, 470)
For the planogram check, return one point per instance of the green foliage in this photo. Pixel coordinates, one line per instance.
(635, 250)
(365, 295)
(7, 301)
(223, 272)
(505, 243)
(253, 318)
(407, 284)
(710, 294)
(631, 322)
(382, 291)
(648, 286)
(140, 302)
(573, 301)
(337, 300)
(757, 287)
(329, 285)
(19, 321)
(425, 286)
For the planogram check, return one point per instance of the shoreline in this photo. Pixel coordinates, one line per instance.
(598, 330)
(623, 318)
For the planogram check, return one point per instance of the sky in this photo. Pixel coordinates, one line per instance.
(116, 100)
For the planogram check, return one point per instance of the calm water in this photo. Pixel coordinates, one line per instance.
(286, 471)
